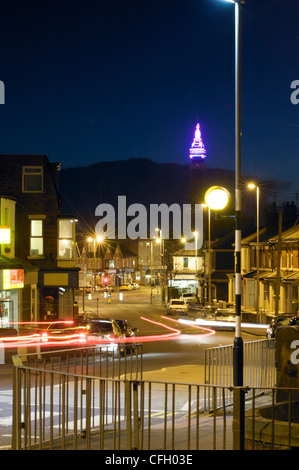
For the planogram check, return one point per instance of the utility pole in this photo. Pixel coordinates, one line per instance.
(277, 287)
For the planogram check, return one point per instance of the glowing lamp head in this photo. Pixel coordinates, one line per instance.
(251, 186)
(217, 198)
(44, 337)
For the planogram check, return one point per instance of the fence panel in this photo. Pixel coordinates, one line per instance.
(258, 371)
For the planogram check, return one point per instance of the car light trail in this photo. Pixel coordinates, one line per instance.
(230, 324)
(45, 340)
(209, 331)
(163, 337)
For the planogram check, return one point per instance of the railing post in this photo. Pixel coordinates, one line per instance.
(128, 403)
(239, 418)
(135, 414)
(16, 415)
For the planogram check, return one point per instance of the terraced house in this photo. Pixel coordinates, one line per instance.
(41, 248)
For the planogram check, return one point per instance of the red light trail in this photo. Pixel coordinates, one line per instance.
(44, 339)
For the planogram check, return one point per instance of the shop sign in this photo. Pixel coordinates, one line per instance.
(4, 235)
(13, 278)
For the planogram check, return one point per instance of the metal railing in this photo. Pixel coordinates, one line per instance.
(111, 361)
(47, 390)
(59, 410)
(258, 367)
(55, 409)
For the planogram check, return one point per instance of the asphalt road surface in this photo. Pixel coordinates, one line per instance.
(176, 358)
(186, 349)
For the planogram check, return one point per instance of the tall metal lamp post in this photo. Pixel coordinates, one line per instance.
(216, 198)
(253, 186)
(238, 341)
(96, 241)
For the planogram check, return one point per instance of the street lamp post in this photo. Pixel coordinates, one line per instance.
(216, 198)
(210, 263)
(253, 186)
(96, 240)
(151, 244)
(238, 341)
(160, 240)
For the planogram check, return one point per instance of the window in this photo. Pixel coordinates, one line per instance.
(32, 179)
(36, 238)
(6, 216)
(65, 239)
(185, 262)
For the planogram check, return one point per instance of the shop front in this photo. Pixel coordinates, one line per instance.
(181, 283)
(57, 294)
(11, 286)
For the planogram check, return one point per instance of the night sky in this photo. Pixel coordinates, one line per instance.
(102, 80)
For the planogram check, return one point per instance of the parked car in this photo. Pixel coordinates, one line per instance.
(126, 287)
(135, 286)
(281, 320)
(105, 289)
(189, 298)
(177, 305)
(294, 321)
(126, 328)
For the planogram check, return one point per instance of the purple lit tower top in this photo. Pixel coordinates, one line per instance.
(197, 150)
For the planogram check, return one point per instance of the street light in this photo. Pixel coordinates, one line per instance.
(253, 186)
(216, 198)
(238, 341)
(157, 240)
(95, 240)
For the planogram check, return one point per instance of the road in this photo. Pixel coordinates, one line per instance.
(180, 358)
(185, 350)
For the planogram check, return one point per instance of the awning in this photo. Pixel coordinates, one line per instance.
(262, 274)
(14, 263)
(292, 277)
(184, 277)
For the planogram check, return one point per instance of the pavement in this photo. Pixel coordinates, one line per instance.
(191, 374)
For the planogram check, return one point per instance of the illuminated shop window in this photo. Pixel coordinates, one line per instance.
(36, 238)
(66, 234)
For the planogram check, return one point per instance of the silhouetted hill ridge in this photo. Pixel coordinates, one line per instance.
(142, 181)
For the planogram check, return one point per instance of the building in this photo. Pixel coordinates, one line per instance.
(44, 237)
(197, 151)
(278, 265)
(150, 261)
(16, 276)
(106, 263)
(186, 266)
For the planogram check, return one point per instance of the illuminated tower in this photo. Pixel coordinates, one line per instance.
(197, 152)
(198, 169)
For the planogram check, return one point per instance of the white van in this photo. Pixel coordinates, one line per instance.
(189, 298)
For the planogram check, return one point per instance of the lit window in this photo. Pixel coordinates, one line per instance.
(32, 179)
(65, 239)
(36, 238)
